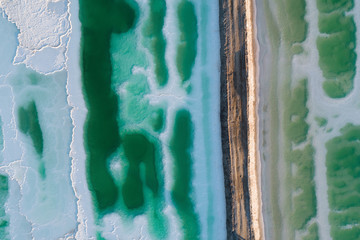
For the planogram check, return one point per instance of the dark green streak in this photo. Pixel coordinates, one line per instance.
(101, 18)
(29, 124)
(138, 149)
(144, 172)
(158, 120)
(4, 221)
(187, 47)
(153, 31)
(181, 144)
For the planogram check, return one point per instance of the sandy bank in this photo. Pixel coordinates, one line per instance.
(239, 122)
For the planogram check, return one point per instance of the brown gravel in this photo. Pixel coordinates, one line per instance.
(239, 119)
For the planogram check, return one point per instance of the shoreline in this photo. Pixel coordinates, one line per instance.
(239, 120)
(253, 106)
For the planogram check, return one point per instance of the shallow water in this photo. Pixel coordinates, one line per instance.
(110, 123)
(153, 154)
(307, 142)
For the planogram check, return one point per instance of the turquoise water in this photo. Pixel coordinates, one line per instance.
(140, 132)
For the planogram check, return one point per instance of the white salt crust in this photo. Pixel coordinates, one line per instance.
(44, 31)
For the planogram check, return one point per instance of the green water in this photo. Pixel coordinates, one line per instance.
(134, 108)
(343, 178)
(297, 170)
(4, 220)
(302, 206)
(157, 43)
(313, 233)
(335, 23)
(139, 150)
(187, 48)
(206, 83)
(157, 120)
(322, 122)
(121, 124)
(141, 180)
(337, 55)
(296, 111)
(337, 58)
(99, 20)
(327, 6)
(29, 125)
(181, 144)
(293, 12)
(142, 185)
